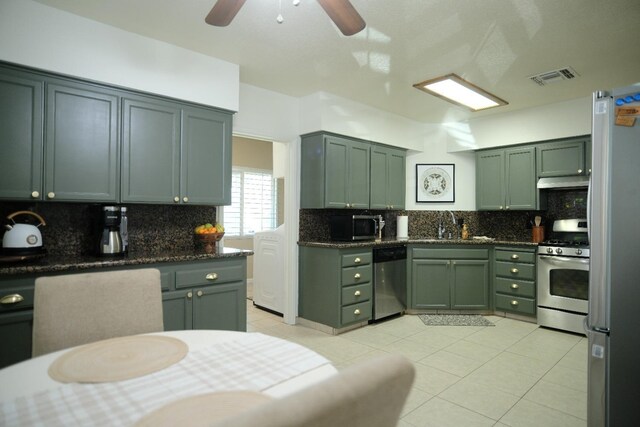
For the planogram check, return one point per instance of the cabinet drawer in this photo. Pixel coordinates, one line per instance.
(436, 253)
(18, 295)
(516, 270)
(515, 304)
(516, 256)
(209, 274)
(351, 260)
(356, 275)
(356, 293)
(515, 287)
(356, 312)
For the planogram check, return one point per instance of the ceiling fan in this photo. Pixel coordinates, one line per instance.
(341, 12)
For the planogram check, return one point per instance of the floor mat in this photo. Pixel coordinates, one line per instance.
(454, 320)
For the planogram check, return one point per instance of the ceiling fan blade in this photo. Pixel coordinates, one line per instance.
(223, 12)
(344, 15)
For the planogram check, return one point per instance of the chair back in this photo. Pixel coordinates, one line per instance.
(75, 309)
(369, 394)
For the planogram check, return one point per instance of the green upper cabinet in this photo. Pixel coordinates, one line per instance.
(205, 177)
(150, 151)
(21, 121)
(81, 143)
(387, 178)
(506, 179)
(562, 158)
(334, 172)
(175, 154)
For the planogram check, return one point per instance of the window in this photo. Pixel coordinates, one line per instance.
(253, 206)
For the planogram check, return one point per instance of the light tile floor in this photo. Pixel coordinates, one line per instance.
(512, 374)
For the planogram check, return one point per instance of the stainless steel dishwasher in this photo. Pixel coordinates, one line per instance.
(389, 281)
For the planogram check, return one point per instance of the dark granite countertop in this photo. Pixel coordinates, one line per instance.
(52, 263)
(394, 242)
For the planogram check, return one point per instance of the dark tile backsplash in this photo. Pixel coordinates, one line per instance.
(502, 225)
(72, 228)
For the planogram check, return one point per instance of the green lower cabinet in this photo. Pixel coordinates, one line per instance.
(514, 281)
(449, 278)
(208, 294)
(335, 285)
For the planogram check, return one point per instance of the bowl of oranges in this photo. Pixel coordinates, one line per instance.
(206, 236)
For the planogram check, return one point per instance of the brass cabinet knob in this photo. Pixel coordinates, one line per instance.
(507, 207)
(514, 286)
(501, 208)
(356, 311)
(189, 295)
(514, 303)
(11, 299)
(211, 276)
(391, 206)
(35, 194)
(357, 260)
(515, 256)
(185, 199)
(176, 199)
(514, 270)
(579, 170)
(356, 276)
(199, 293)
(51, 195)
(356, 293)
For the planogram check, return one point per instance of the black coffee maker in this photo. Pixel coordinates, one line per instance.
(111, 239)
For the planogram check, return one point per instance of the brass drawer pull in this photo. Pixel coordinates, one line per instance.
(514, 286)
(514, 270)
(356, 276)
(211, 276)
(11, 299)
(514, 303)
(356, 312)
(515, 256)
(199, 293)
(189, 295)
(356, 293)
(357, 260)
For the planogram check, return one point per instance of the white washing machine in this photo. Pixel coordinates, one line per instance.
(268, 269)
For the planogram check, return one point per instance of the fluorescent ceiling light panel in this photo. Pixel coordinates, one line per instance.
(454, 89)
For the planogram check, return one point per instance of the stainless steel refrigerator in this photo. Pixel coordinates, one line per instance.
(613, 322)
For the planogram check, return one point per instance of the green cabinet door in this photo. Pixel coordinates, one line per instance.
(336, 191)
(520, 186)
(206, 157)
(15, 334)
(387, 178)
(151, 151)
(358, 175)
(220, 307)
(177, 310)
(470, 284)
(81, 143)
(490, 180)
(561, 158)
(430, 284)
(21, 120)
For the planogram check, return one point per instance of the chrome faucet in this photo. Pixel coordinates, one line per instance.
(379, 227)
(455, 226)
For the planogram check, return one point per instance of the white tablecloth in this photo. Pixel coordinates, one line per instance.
(217, 361)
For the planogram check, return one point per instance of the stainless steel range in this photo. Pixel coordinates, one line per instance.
(563, 276)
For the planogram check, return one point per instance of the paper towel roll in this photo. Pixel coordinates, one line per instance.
(402, 227)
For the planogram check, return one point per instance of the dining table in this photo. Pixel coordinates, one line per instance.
(213, 363)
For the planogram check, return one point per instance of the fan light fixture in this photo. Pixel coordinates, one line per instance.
(455, 89)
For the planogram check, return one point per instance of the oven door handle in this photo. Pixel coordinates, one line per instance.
(559, 259)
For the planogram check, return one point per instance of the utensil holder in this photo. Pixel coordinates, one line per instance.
(537, 234)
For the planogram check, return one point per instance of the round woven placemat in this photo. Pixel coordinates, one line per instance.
(204, 409)
(117, 359)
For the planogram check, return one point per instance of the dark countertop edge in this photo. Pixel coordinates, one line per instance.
(54, 264)
(383, 243)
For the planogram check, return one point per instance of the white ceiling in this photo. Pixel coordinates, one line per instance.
(495, 44)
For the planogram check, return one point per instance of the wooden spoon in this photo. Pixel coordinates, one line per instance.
(538, 220)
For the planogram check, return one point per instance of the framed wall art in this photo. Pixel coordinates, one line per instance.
(435, 183)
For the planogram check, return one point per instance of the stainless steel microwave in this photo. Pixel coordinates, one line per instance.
(353, 227)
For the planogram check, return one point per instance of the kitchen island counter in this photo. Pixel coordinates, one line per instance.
(52, 263)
